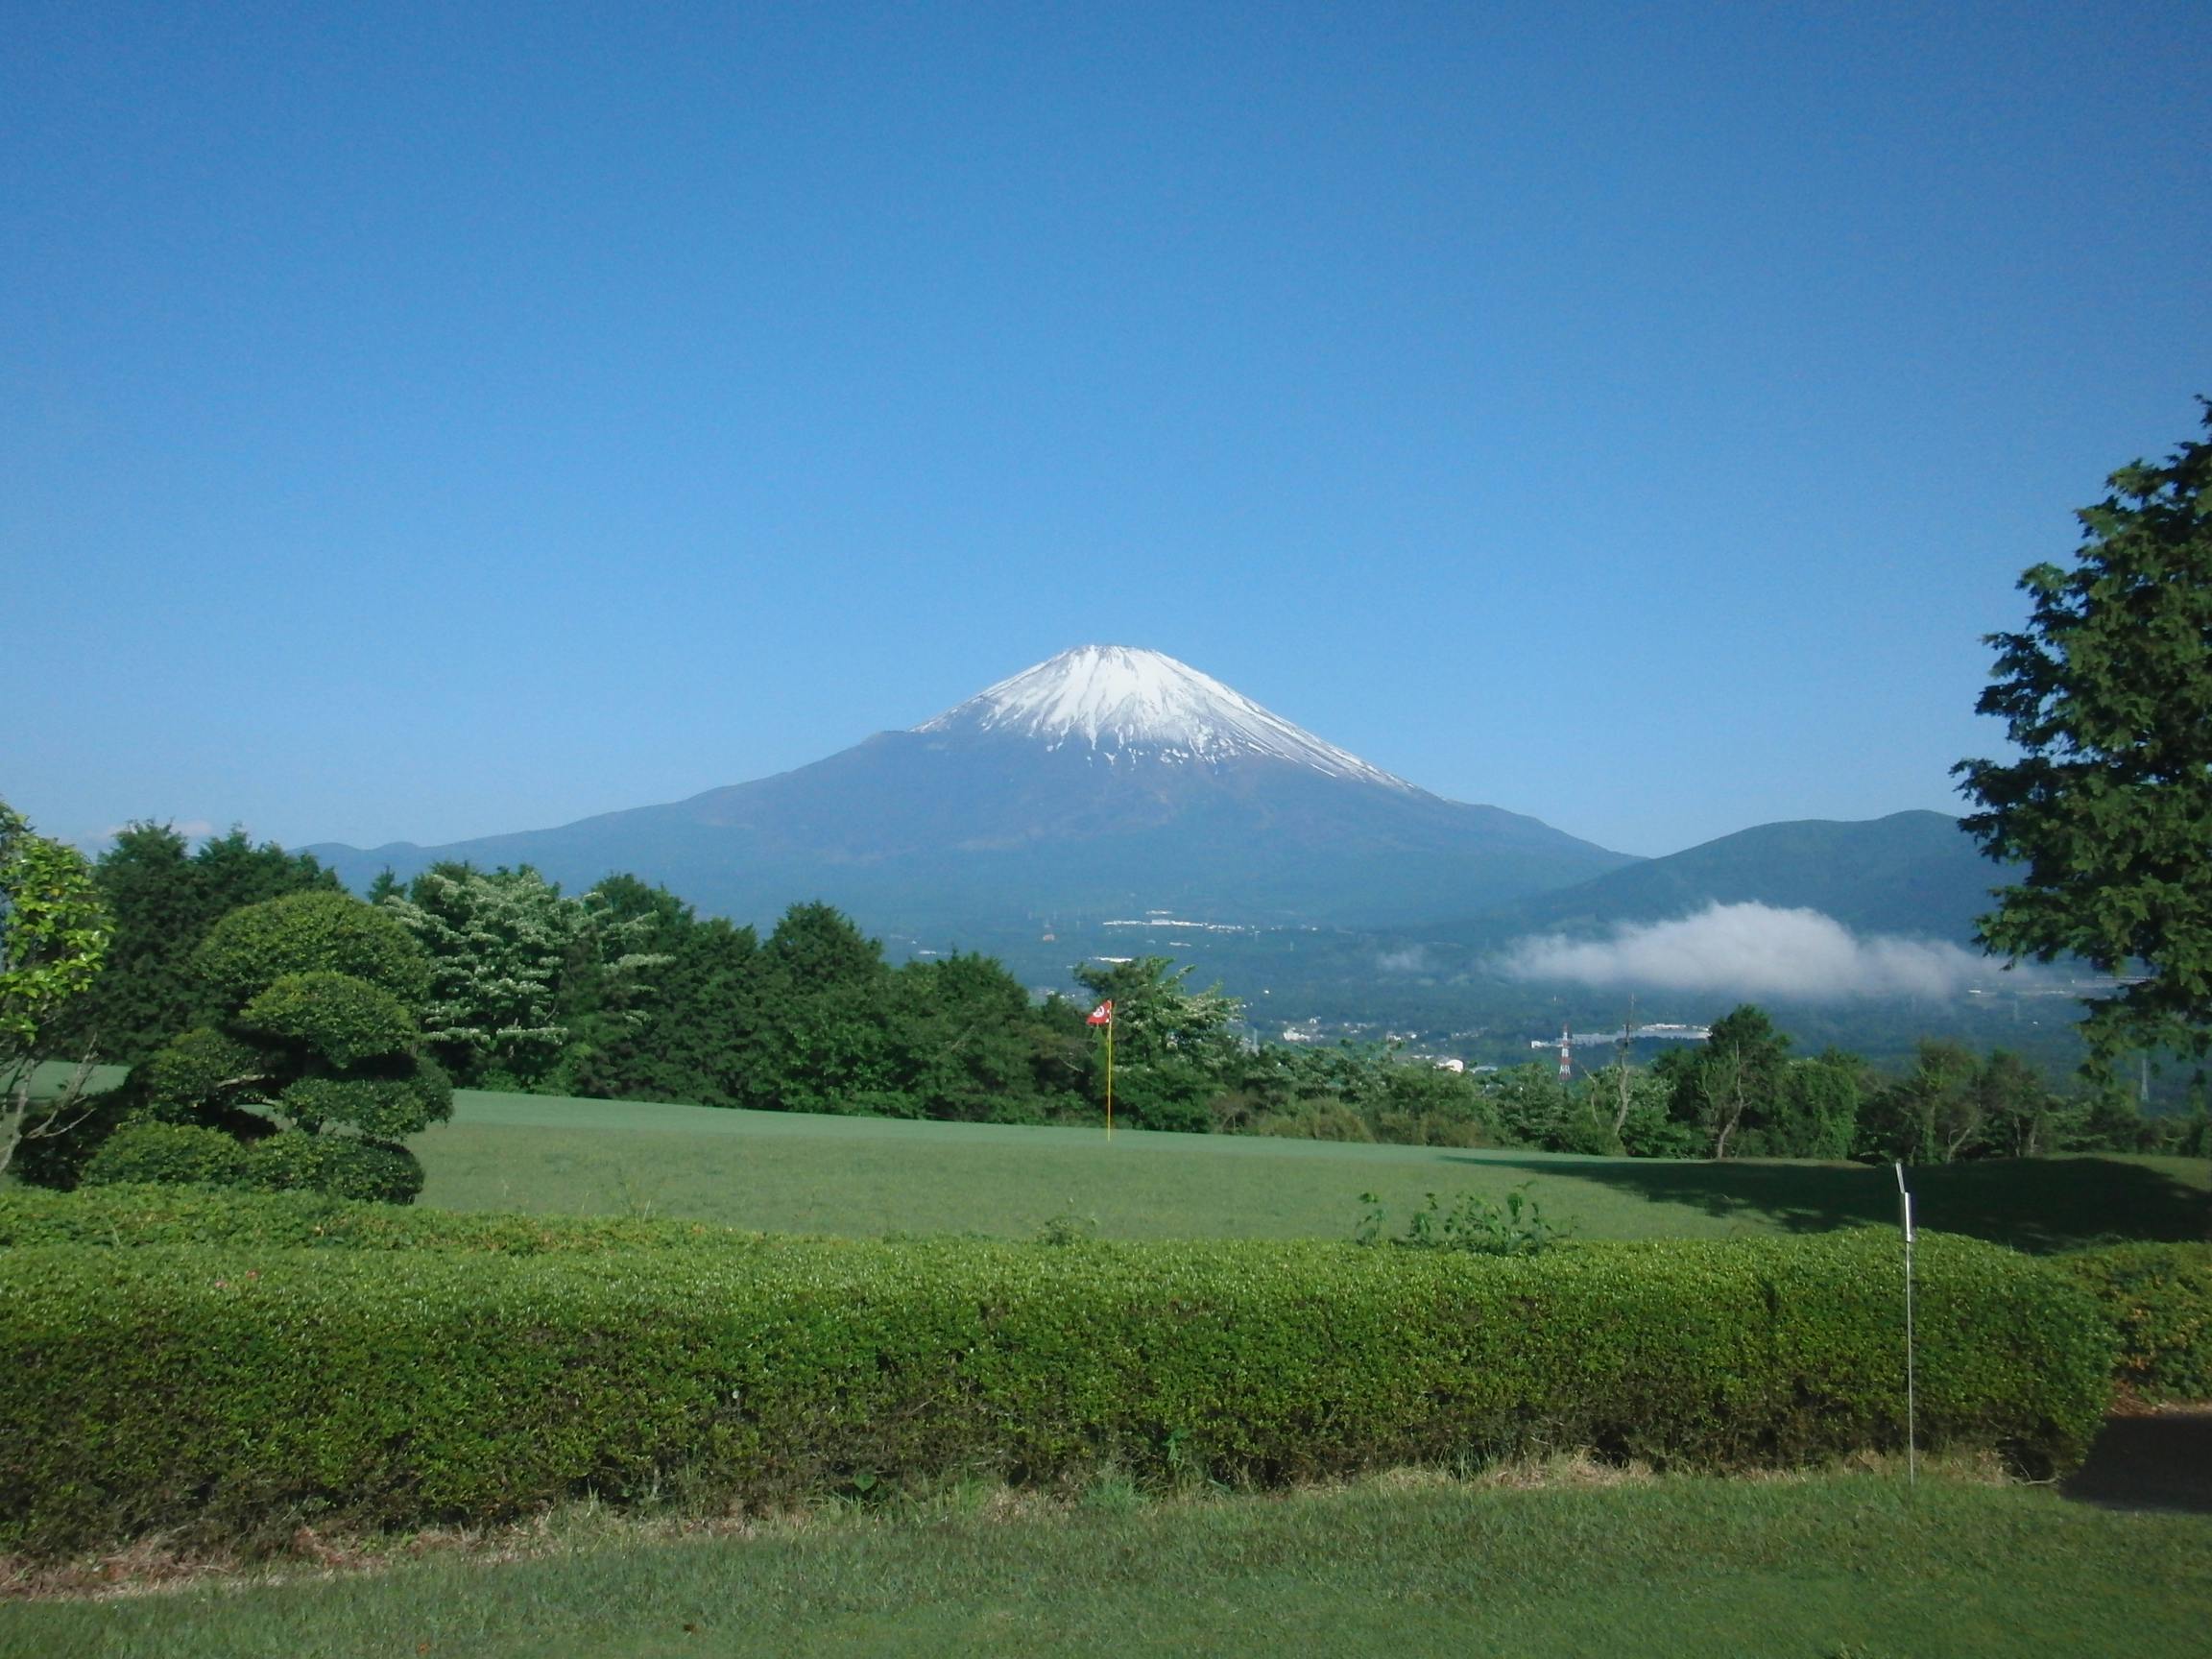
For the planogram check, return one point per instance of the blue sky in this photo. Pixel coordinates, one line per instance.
(426, 422)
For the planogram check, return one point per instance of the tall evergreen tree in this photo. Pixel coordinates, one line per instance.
(2107, 693)
(164, 897)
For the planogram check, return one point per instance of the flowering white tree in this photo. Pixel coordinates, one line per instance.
(504, 948)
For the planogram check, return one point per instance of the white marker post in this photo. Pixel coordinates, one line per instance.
(1911, 1413)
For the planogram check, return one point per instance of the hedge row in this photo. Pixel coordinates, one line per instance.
(2157, 1300)
(220, 1393)
(130, 1216)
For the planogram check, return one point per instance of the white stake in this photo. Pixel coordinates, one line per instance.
(1911, 1404)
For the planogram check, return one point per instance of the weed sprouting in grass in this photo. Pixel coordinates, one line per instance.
(1066, 1228)
(1477, 1224)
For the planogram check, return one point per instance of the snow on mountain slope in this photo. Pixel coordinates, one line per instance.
(1124, 702)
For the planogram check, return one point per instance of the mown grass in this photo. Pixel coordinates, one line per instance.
(790, 1173)
(1826, 1567)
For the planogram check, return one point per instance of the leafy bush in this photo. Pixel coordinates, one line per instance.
(192, 1072)
(386, 1108)
(370, 1171)
(2158, 1299)
(339, 1018)
(226, 1391)
(314, 997)
(1318, 1119)
(150, 1153)
(1515, 1228)
(168, 1155)
(310, 932)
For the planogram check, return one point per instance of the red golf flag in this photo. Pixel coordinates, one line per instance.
(1103, 1014)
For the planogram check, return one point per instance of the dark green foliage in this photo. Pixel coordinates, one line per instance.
(314, 1027)
(222, 1391)
(383, 1108)
(249, 950)
(1476, 1225)
(1816, 1113)
(1173, 1046)
(333, 1018)
(818, 1033)
(194, 1074)
(1532, 1107)
(341, 1166)
(1955, 1104)
(1732, 1082)
(680, 1037)
(163, 900)
(964, 1041)
(2107, 692)
(2158, 1299)
(150, 1153)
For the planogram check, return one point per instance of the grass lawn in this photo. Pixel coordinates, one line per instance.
(1828, 1567)
(790, 1173)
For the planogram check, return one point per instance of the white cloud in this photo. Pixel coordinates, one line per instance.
(1754, 949)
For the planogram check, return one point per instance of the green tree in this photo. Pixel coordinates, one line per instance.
(1817, 1114)
(312, 1058)
(672, 1029)
(1174, 1048)
(54, 936)
(1732, 1081)
(520, 974)
(497, 943)
(965, 1040)
(815, 1034)
(163, 896)
(1532, 1107)
(1634, 1102)
(2107, 693)
(1954, 1105)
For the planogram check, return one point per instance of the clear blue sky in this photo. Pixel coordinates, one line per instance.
(425, 421)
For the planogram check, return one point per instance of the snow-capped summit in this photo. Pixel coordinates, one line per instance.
(1119, 701)
(1103, 783)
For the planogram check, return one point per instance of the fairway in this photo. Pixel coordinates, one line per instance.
(793, 1173)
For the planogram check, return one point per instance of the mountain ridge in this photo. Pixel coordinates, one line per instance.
(1104, 778)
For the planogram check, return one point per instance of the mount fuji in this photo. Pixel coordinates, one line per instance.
(1107, 780)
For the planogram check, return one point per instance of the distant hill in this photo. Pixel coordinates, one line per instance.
(1105, 781)
(1910, 873)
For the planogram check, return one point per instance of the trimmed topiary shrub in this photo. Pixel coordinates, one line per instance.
(223, 1392)
(168, 1154)
(310, 932)
(312, 1060)
(2157, 1300)
(333, 1017)
(341, 1166)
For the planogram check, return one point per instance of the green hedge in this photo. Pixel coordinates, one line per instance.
(227, 1393)
(127, 1215)
(2157, 1300)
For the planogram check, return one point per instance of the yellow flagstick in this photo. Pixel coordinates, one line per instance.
(1103, 1014)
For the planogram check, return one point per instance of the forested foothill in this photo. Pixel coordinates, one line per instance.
(283, 1033)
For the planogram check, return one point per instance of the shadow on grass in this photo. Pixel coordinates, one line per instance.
(2161, 1462)
(2036, 1204)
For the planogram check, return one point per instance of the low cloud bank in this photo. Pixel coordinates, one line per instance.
(1754, 949)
